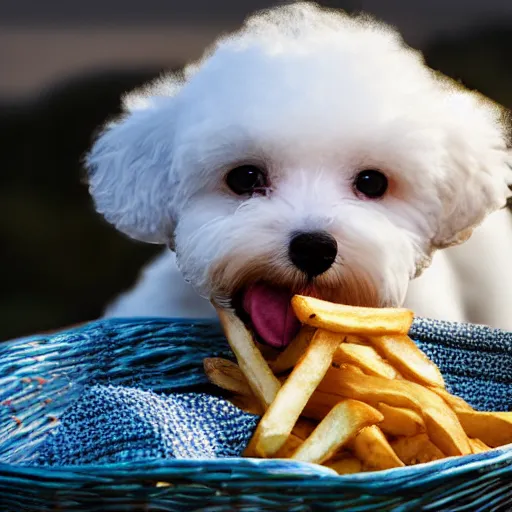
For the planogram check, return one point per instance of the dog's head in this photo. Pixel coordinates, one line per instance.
(309, 152)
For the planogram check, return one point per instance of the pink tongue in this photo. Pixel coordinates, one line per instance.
(271, 314)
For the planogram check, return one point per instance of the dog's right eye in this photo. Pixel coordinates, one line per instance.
(246, 179)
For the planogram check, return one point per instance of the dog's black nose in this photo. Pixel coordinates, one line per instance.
(313, 252)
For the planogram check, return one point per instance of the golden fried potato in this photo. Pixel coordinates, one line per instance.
(350, 382)
(478, 446)
(341, 424)
(256, 370)
(345, 466)
(226, 375)
(408, 359)
(400, 421)
(371, 447)
(455, 402)
(442, 424)
(291, 445)
(304, 428)
(493, 428)
(416, 449)
(364, 357)
(248, 404)
(290, 356)
(277, 423)
(350, 319)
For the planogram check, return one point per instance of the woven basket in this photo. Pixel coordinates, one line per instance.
(40, 376)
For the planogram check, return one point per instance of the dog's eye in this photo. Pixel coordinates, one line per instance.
(371, 183)
(246, 179)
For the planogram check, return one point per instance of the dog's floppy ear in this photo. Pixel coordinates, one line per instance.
(478, 171)
(130, 172)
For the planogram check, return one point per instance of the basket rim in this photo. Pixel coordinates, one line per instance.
(271, 469)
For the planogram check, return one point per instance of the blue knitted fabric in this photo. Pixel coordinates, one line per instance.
(129, 422)
(119, 424)
(475, 360)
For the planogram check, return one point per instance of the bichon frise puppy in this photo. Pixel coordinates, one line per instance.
(310, 152)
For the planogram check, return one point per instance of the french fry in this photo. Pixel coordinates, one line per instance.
(301, 431)
(410, 361)
(400, 421)
(455, 402)
(493, 428)
(350, 382)
(340, 425)
(259, 376)
(366, 358)
(289, 447)
(277, 423)
(442, 424)
(303, 428)
(478, 446)
(322, 402)
(290, 356)
(345, 466)
(226, 375)
(319, 405)
(268, 353)
(416, 449)
(372, 448)
(248, 404)
(357, 340)
(350, 319)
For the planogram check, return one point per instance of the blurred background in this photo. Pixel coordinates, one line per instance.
(63, 68)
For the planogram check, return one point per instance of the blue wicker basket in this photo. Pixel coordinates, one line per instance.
(40, 376)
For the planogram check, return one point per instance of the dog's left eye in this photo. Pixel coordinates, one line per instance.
(246, 179)
(371, 183)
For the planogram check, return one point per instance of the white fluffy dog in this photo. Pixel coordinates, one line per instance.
(310, 152)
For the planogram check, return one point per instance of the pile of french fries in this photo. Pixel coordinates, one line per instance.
(352, 392)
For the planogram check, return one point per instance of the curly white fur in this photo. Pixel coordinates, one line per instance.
(313, 96)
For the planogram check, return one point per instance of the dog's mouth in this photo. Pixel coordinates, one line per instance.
(267, 311)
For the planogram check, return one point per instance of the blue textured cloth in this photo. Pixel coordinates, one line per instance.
(475, 360)
(119, 424)
(129, 422)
